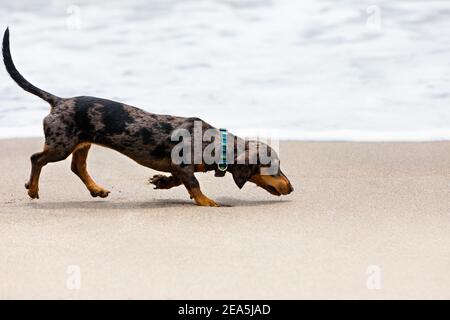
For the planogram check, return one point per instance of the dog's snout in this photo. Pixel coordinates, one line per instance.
(288, 189)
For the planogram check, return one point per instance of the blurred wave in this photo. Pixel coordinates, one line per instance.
(313, 69)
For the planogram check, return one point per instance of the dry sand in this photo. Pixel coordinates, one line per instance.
(355, 205)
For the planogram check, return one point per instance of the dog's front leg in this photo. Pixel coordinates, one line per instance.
(199, 198)
(191, 183)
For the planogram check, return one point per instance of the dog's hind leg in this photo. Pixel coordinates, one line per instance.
(79, 167)
(164, 182)
(40, 159)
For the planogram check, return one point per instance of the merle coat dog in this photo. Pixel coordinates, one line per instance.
(73, 124)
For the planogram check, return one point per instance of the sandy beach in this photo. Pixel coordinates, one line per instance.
(357, 207)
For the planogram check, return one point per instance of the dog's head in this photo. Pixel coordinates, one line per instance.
(260, 164)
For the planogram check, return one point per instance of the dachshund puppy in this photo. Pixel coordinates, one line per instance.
(74, 124)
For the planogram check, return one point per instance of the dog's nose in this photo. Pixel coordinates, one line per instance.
(290, 188)
(287, 189)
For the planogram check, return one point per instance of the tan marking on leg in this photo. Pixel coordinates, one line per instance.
(200, 199)
(79, 167)
(33, 183)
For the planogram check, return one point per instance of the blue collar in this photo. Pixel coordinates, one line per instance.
(222, 165)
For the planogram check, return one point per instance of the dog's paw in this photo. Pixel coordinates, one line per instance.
(161, 181)
(34, 194)
(206, 202)
(102, 193)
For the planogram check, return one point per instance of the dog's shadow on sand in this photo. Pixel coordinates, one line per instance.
(152, 204)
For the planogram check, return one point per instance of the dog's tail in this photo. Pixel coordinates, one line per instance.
(18, 78)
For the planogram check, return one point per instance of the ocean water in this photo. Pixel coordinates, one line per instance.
(286, 69)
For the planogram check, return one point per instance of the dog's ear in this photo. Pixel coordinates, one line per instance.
(242, 173)
(245, 165)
